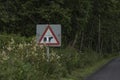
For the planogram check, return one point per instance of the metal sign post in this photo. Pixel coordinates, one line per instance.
(48, 53)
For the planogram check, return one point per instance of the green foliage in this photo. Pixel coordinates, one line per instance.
(23, 59)
(85, 24)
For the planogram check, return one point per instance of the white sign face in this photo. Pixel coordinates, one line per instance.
(49, 35)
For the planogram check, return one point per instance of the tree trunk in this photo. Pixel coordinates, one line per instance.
(75, 40)
(82, 38)
(99, 36)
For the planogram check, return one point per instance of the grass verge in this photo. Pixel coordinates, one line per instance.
(81, 74)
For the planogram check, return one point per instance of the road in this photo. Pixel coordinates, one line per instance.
(110, 71)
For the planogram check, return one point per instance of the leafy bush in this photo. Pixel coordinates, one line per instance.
(23, 59)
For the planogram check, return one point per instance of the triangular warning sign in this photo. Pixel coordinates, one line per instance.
(48, 37)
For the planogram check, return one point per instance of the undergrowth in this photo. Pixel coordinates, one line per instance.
(22, 59)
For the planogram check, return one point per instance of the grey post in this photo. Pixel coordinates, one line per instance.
(48, 53)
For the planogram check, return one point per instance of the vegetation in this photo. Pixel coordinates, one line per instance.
(81, 73)
(22, 59)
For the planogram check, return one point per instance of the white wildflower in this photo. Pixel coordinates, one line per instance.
(36, 54)
(3, 47)
(3, 52)
(43, 56)
(28, 44)
(53, 54)
(41, 46)
(25, 44)
(33, 52)
(57, 56)
(34, 39)
(12, 41)
(5, 57)
(34, 48)
(21, 46)
(9, 48)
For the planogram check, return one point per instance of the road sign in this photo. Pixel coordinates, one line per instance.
(49, 35)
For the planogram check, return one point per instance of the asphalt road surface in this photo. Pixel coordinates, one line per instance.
(110, 71)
